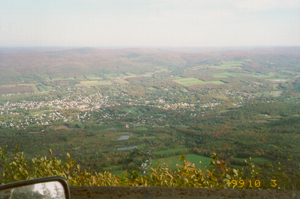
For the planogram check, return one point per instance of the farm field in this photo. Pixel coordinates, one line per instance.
(229, 65)
(257, 75)
(195, 81)
(170, 151)
(93, 83)
(93, 76)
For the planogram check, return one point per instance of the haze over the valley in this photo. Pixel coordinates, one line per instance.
(163, 23)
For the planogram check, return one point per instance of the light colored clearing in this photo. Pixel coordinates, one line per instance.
(121, 81)
(145, 75)
(9, 85)
(93, 77)
(130, 74)
(276, 93)
(93, 83)
(126, 148)
(124, 137)
(152, 88)
(278, 80)
(62, 78)
(184, 90)
(193, 158)
(229, 65)
(214, 82)
(259, 75)
(223, 111)
(36, 112)
(26, 84)
(195, 81)
(189, 81)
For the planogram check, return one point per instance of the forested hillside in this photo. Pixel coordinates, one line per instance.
(122, 110)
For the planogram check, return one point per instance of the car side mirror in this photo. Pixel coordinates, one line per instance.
(49, 188)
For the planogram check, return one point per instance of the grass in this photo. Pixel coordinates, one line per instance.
(134, 111)
(130, 74)
(189, 81)
(223, 111)
(93, 83)
(229, 65)
(117, 172)
(258, 75)
(110, 75)
(93, 77)
(276, 93)
(152, 88)
(141, 128)
(111, 167)
(170, 151)
(193, 158)
(36, 112)
(194, 81)
(184, 90)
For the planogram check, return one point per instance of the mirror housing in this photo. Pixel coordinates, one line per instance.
(54, 181)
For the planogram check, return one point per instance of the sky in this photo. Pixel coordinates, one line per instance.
(149, 23)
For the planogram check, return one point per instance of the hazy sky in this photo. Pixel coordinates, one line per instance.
(135, 23)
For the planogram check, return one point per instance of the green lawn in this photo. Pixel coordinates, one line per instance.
(152, 88)
(193, 158)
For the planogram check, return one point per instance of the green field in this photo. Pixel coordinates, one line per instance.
(110, 75)
(141, 128)
(193, 158)
(36, 112)
(152, 88)
(170, 151)
(194, 81)
(93, 83)
(229, 65)
(130, 74)
(93, 77)
(259, 75)
(134, 111)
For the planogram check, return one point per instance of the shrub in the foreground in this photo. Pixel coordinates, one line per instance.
(19, 168)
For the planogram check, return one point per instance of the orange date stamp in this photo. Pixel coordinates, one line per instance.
(251, 183)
